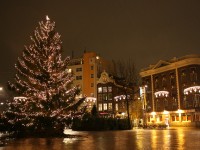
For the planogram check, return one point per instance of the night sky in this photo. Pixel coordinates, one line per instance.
(144, 30)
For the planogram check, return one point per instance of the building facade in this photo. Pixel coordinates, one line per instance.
(86, 70)
(172, 91)
(111, 99)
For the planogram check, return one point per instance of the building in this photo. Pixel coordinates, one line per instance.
(111, 99)
(172, 91)
(86, 70)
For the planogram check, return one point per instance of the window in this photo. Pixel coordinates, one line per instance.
(78, 69)
(110, 89)
(105, 90)
(196, 102)
(100, 107)
(189, 117)
(100, 97)
(183, 76)
(164, 83)
(109, 96)
(78, 77)
(105, 106)
(172, 80)
(193, 75)
(92, 75)
(160, 117)
(184, 117)
(177, 117)
(157, 104)
(173, 118)
(105, 97)
(99, 89)
(156, 83)
(116, 107)
(92, 67)
(185, 103)
(165, 102)
(92, 84)
(109, 106)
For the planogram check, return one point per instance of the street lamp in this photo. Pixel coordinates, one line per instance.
(143, 97)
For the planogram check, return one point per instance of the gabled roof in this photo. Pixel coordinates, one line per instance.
(160, 63)
(105, 78)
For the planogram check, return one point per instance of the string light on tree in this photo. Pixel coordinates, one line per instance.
(43, 78)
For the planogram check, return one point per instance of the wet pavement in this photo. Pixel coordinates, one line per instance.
(136, 139)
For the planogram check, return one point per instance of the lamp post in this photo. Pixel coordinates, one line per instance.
(144, 103)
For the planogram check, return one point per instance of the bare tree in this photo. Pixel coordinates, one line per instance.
(125, 70)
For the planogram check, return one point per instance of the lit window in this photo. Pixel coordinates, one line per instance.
(100, 107)
(105, 97)
(184, 117)
(110, 89)
(160, 118)
(105, 89)
(109, 106)
(116, 107)
(189, 117)
(173, 118)
(105, 106)
(99, 89)
(177, 117)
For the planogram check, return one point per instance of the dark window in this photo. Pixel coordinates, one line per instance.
(92, 67)
(78, 69)
(172, 80)
(78, 77)
(100, 97)
(165, 102)
(156, 83)
(183, 76)
(193, 75)
(109, 96)
(164, 82)
(92, 84)
(92, 75)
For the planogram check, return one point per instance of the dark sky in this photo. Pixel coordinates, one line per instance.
(143, 30)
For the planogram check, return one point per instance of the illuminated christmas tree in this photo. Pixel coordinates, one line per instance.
(44, 83)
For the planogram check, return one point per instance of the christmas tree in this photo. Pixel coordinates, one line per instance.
(43, 85)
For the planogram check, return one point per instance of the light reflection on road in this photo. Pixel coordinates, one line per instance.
(172, 138)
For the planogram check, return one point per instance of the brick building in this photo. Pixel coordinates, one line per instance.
(172, 93)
